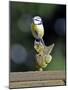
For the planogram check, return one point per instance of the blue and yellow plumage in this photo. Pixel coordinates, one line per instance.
(37, 28)
(43, 56)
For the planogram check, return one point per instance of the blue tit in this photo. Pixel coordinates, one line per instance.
(39, 47)
(37, 28)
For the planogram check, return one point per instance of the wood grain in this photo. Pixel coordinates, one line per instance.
(37, 75)
(36, 83)
(36, 79)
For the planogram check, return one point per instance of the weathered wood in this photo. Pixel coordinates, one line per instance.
(36, 83)
(37, 75)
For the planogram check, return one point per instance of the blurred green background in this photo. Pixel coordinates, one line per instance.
(22, 54)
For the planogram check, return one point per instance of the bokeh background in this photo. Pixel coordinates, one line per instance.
(22, 54)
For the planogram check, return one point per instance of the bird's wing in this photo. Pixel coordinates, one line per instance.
(34, 31)
(48, 49)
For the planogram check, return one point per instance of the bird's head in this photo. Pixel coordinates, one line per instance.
(37, 20)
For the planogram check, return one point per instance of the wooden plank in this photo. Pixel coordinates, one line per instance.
(37, 75)
(36, 83)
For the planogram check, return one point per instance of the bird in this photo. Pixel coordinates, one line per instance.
(37, 27)
(43, 56)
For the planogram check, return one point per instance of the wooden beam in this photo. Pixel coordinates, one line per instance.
(37, 75)
(36, 83)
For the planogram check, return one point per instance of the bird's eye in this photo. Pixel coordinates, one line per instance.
(37, 21)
